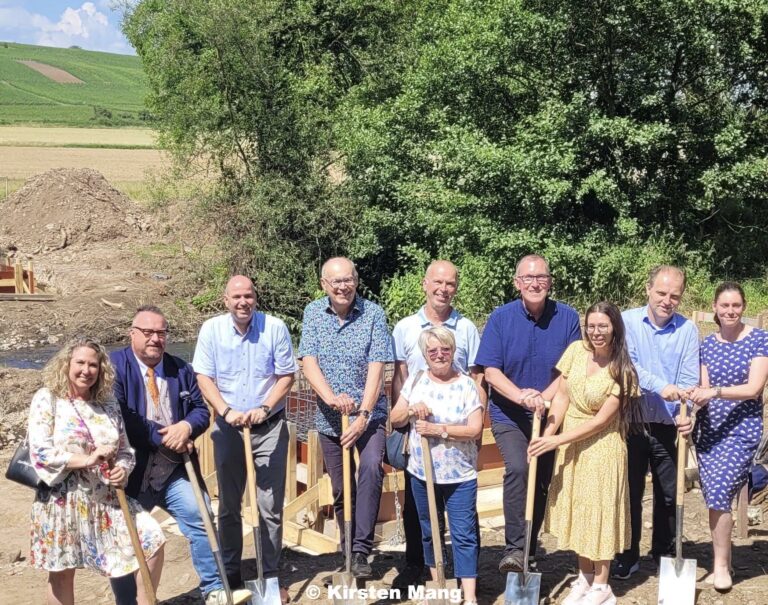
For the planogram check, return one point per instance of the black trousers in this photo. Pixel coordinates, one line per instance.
(654, 447)
(513, 442)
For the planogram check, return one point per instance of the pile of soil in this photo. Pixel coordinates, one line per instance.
(67, 208)
(16, 389)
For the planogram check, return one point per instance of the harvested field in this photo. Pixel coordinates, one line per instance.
(27, 136)
(52, 73)
(115, 164)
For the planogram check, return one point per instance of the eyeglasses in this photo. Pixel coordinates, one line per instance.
(161, 334)
(600, 329)
(433, 353)
(529, 279)
(338, 283)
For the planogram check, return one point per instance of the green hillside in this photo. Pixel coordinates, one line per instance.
(112, 92)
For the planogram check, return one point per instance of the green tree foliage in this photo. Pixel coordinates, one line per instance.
(608, 136)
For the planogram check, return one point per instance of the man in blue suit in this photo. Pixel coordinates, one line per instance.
(164, 412)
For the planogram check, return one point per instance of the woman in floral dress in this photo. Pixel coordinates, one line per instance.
(79, 448)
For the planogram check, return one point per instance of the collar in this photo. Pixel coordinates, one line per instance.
(357, 305)
(451, 322)
(159, 371)
(550, 309)
(251, 324)
(672, 325)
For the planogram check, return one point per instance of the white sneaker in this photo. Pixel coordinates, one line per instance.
(219, 597)
(579, 587)
(599, 596)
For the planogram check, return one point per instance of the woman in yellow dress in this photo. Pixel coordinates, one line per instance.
(589, 498)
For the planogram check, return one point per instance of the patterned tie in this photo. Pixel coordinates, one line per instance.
(152, 387)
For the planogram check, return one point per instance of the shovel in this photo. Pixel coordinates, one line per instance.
(146, 578)
(344, 582)
(523, 588)
(264, 591)
(677, 577)
(435, 590)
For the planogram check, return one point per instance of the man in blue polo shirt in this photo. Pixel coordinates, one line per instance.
(244, 364)
(664, 347)
(521, 344)
(440, 284)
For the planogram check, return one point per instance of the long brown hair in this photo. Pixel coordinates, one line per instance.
(621, 368)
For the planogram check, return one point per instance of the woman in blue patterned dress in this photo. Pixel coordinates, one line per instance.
(447, 409)
(734, 369)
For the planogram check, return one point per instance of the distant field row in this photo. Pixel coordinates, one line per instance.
(28, 136)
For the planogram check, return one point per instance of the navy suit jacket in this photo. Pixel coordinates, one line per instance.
(131, 394)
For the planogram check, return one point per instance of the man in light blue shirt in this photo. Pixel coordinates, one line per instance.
(244, 364)
(440, 284)
(664, 347)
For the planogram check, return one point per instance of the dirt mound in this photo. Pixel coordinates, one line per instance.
(67, 207)
(16, 390)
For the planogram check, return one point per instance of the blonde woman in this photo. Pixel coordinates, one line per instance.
(79, 448)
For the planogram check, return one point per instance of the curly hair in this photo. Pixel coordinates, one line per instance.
(56, 371)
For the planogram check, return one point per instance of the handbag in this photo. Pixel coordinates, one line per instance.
(21, 470)
(396, 446)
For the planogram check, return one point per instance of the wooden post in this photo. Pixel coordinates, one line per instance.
(18, 274)
(31, 278)
(314, 473)
(290, 469)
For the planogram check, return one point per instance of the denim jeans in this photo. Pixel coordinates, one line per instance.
(178, 500)
(460, 500)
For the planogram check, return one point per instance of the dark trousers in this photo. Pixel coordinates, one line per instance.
(366, 491)
(655, 447)
(513, 442)
(414, 550)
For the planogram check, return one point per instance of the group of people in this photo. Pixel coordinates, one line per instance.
(129, 419)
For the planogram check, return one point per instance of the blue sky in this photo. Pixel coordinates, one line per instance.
(92, 25)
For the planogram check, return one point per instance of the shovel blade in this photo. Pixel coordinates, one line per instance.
(522, 589)
(677, 581)
(345, 590)
(266, 592)
(434, 594)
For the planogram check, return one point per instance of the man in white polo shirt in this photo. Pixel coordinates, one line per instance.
(440, 284)
(245, 365)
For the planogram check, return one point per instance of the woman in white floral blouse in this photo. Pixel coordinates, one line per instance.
(446, 408)
(79, 448)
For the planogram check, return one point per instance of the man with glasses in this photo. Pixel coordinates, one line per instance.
(440, 284)
(344, 345)
(164, 412)
(664, 347)
(521, 344)
(245, 368)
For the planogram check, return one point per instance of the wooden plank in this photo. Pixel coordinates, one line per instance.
(298, 504)
(314, 474)
(18, 272)
(31, 278)
(294, 533)
(27, 297)
(290, 470)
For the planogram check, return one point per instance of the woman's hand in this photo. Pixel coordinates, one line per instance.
(117, 476)
(542, 445)
(419, 410)
(427, 429)
(701, 396)
(102, 453)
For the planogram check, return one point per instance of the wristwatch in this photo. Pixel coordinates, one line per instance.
(365, 414)
(267, 410)
(444, 434)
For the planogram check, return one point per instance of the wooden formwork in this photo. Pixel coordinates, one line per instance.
(18, 283)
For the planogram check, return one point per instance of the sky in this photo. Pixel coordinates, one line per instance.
(92, 25)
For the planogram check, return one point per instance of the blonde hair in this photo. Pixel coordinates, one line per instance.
(56, 371)
(441, 334)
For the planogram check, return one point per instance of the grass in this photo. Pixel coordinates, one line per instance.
(112, 93)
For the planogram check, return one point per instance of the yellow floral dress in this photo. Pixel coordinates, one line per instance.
(589, 497)
(80, 524)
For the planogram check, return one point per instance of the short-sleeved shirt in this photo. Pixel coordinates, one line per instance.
(526, 351)
(343, 351)
(406, 340)
(662, 356)
(246, 366)
(453, 461)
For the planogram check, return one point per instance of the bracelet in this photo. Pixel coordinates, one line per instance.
(227, 411)
(718, 392)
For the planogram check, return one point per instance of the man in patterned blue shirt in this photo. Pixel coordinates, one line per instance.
(345, 344)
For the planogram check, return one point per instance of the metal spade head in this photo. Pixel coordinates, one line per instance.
(522, 588)
(346, 586)
(677, 581)
(264, 592)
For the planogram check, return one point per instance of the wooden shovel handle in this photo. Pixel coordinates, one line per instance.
(146, 577)
(346, 465)
(251, 477)
(213, 541)
(534, 464)
(437, 546)
(682, 443)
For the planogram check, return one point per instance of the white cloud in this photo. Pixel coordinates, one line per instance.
(86, 26)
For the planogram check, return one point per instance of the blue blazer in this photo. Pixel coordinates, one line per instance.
(131, 394)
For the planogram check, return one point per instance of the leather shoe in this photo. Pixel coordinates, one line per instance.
(411, 574)
(512, 562)
(622, 569)
(360, 566)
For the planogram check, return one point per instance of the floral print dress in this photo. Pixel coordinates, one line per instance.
(80, 524)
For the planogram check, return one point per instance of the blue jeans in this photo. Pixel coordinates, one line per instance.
(461, 505)
(178, 500)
